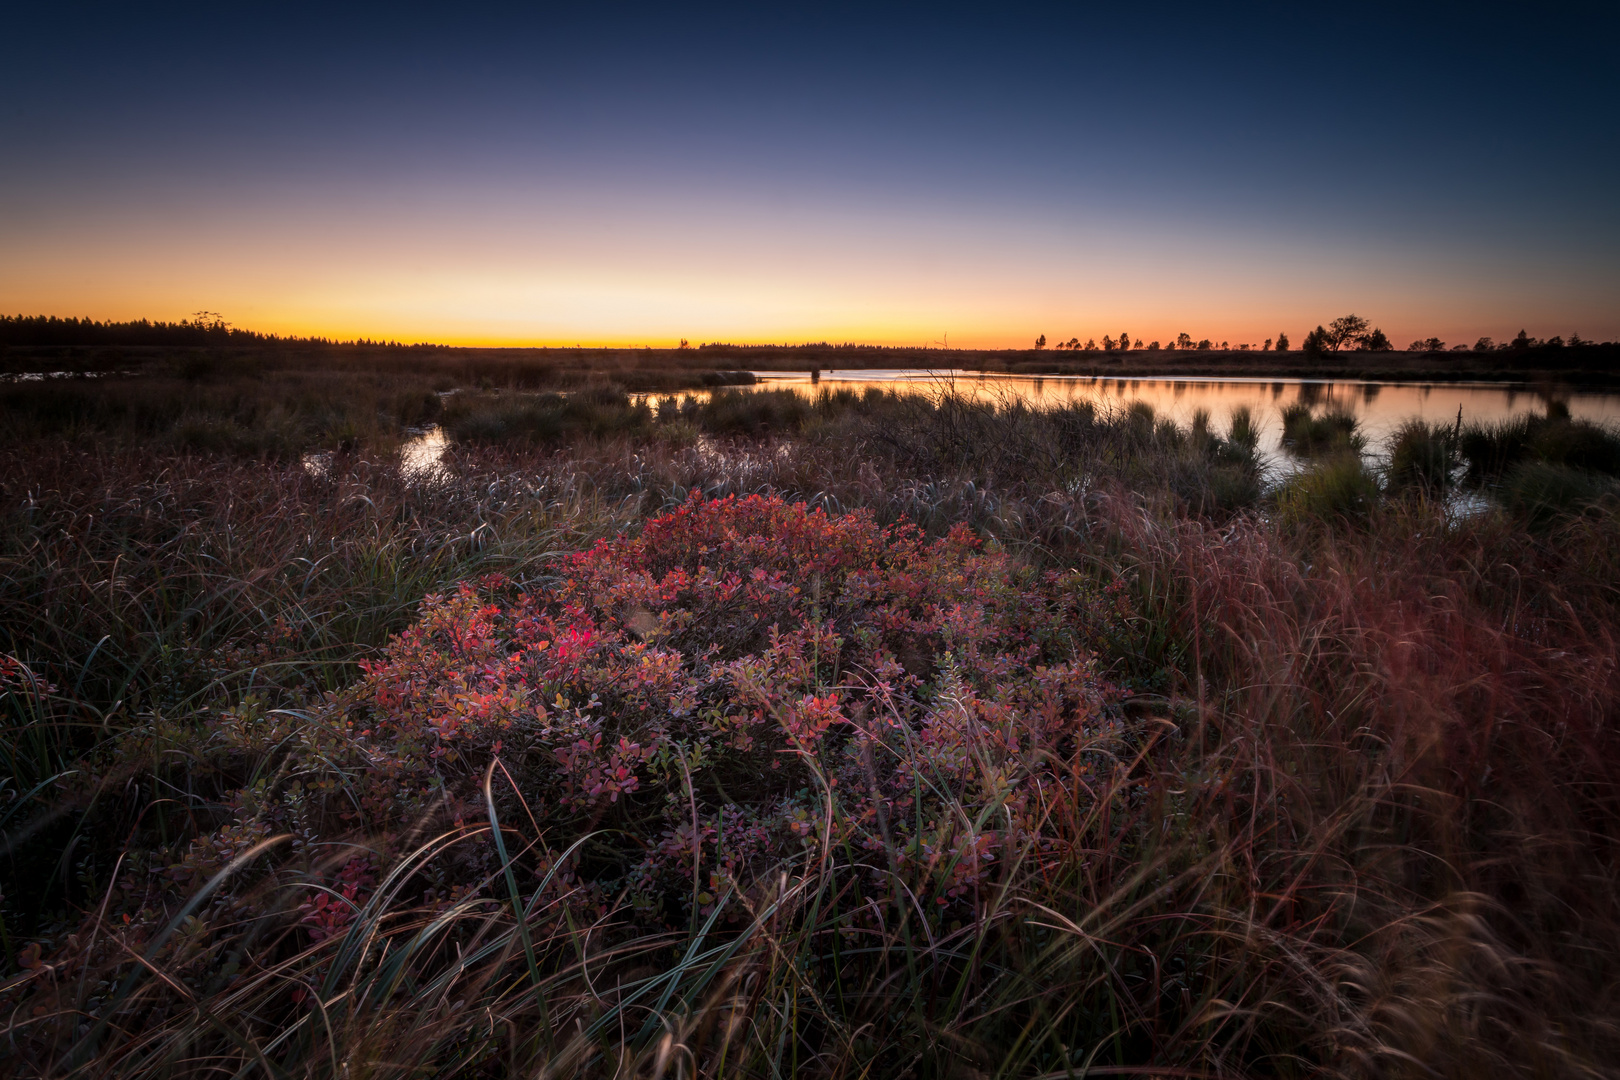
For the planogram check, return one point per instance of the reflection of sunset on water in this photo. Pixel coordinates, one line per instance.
(1380, 406)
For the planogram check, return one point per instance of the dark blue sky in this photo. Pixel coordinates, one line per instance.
(637, 172)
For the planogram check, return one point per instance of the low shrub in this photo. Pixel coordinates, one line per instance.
(700, 690)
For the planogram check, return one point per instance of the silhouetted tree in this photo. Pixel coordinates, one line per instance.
(1484, 344)
(1184, 341)
(1374, 340)
(1432, 344)
(1204, 344)
(1350, 330)
(1555, 342)
(1316, 344)
(1521, 342)
(1267, 346)
(1040, 342)
(1091, 344)
(1576, 341)
(1124, 341)
(1153, 346)
(1108, 343)
(1282, 342)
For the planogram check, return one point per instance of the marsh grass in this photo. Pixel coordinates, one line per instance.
(1494, 450)
(273, 403)
(1309, 432)
(1423, 457)
(1545, 494)
(246, 415)
(1359, 817)
(1340, 488)
(1544, 467)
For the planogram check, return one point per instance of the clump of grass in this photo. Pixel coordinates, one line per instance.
(1544, 493)
(758, 412)
(546, 419)
(1311, 433)
(1339, 488)
(1243, 433)
(1422, 457)
(1494, 450)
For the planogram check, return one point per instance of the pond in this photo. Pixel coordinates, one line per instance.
(1381, 407)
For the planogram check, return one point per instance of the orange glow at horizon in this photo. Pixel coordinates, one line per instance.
(633, 270)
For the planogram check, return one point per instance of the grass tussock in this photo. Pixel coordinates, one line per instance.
(1553, 438)
(1423, 458)
(1309, 432)
(1102, 766)
(1339, 488)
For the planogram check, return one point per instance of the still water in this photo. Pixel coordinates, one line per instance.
(1380, 406)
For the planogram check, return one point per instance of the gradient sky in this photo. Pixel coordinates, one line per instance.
(632, 174)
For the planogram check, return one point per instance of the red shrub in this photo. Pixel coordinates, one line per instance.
(703, 687)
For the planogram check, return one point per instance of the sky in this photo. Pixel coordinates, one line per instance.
(977, 174)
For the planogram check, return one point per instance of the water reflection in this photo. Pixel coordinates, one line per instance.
(419, 457)
(1381, 407)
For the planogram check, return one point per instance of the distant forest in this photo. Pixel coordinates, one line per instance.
(203, 328)
(206, 328)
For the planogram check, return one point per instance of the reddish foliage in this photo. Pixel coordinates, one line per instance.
(703, 687)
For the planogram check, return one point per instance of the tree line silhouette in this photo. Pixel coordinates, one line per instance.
(1348, 333)
(208, 328)
(203, 328)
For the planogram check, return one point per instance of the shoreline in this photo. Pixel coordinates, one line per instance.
(1587, 365)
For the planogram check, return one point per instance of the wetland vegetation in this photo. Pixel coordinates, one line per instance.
(654, 731)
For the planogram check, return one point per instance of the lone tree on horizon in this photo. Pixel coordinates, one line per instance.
(1350, 330)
